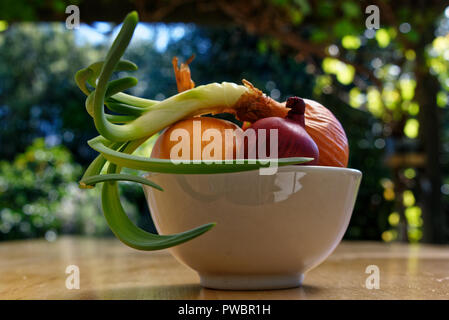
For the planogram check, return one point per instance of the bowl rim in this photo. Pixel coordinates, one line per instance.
(289, 168)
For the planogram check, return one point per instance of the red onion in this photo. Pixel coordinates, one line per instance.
(293, 139)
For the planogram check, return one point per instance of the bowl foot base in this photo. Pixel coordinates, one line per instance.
(251, 282)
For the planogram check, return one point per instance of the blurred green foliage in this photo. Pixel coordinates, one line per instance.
(38, 98)
(39, 196)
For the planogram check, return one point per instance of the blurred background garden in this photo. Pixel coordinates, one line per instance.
(389, 87)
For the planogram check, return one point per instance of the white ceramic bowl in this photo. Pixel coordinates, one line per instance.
(270, 229)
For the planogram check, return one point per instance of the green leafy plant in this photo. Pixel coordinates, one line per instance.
(38, 196)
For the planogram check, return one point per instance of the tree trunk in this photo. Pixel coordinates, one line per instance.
(433, 217)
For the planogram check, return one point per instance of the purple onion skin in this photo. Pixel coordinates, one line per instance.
(293, 139)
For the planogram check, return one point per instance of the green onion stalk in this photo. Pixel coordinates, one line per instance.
(135, 120)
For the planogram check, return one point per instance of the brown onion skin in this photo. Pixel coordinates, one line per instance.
(328, 133)
(293, 139)
(164, 145)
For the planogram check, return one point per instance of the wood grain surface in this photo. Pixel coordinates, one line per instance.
(36, 269)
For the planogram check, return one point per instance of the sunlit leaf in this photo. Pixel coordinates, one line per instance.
(438, 65)
(351, 42)
(386, 183)
(409, 173)
(414, 234)
(392, 32)
(393, 219)
(323, 82)
(391, 97)
(374, 102)
(356, 98)
(344, 72)
(440, 44)
(407, 87)
(383, 38)
(442, 99)
(389, 235)
(410, 55)
(413, 109)
(413, 215)
(408, 198)
(3, 25)
(330, 65)
(411, 128)
(389, 194)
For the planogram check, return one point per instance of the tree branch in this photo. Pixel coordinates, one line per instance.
(268, 22)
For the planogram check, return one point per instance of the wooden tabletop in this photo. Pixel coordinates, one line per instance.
(36, 269)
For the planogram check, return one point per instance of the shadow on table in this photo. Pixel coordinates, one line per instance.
(303, 292)
(195, 291)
